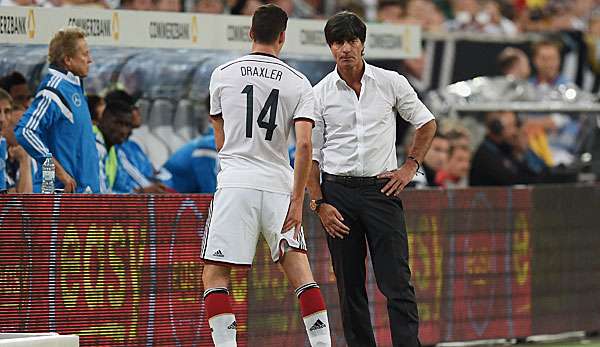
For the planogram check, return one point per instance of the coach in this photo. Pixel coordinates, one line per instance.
(59, 122)
(353, 148)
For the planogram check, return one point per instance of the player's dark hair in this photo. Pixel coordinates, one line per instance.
(344, 27)
(268, 22)
(120, 95)
(14, 78)
(117, 109)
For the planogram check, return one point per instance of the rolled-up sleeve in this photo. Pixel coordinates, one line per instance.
(318, 132)
(408, 104)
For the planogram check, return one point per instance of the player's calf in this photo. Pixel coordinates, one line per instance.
(314, 314)
(220, 317)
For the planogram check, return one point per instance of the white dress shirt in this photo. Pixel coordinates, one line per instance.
(356, 136)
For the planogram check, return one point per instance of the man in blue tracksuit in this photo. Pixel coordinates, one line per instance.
(58, 121)
(193, 168)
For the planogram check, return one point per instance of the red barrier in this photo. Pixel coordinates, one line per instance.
(125, 270)
(113, 270)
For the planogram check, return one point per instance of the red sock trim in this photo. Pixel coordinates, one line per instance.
(311, 301)
(216, 304)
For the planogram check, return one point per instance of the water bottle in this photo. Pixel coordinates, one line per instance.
(48, 175)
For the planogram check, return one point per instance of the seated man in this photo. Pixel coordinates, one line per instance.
(113, 129)
(498, 161)
(135, 172)
(193, 168)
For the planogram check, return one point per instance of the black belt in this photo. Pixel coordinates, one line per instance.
(354, 181)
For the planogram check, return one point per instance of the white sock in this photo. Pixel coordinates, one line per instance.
(317, 329)
(224, 328)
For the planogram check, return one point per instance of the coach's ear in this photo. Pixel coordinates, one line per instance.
(251, 35)
(281, 38)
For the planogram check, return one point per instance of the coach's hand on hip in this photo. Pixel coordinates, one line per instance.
(399, 178)
(332, 221)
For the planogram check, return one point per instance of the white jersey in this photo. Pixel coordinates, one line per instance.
(259, 97)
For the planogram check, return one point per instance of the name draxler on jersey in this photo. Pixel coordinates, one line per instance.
(265, 72)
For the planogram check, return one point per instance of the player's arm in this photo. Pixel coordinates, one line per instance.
(302, 164)
(217, 123)
(302, 168)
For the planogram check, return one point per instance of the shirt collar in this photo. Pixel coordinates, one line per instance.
(64, 74)
(265, 55)
(367, 73)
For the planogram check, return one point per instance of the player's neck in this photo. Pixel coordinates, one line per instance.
(266, 49)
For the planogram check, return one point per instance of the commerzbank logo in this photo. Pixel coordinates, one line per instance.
(31, 24)
(194, 29)
(115, 26)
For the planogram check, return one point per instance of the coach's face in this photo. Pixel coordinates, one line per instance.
(79, 62)
(347, 54)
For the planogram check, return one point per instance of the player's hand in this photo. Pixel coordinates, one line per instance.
(332, 221)
(293, 218)
(399, 178)
(66, 180)
(155, 188)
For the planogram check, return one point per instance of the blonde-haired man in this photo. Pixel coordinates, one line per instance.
(58, 121)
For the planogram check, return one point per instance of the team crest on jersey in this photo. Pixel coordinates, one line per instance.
(76, 99)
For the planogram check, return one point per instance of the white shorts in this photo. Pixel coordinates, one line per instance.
(237, 216)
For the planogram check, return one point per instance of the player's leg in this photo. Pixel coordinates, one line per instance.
(233, 217)
(218, 306)
(290, 252)
(312, 306)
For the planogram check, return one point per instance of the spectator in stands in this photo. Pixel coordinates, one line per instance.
(456, 172)
(139, 5)
(135, 172)
(495, 162)
(20, 165)
(113, 128)
(592, 41)
(17, 3)
(168, 5)
(193, 168)
(210, 6)
(426, 14)
(246, 7)
(465, 14)
(16, 85)
(458, 136)
(436, 158)
(391, 11)
(514, 64)
(58, 121)
(492, 20)
(546, 60)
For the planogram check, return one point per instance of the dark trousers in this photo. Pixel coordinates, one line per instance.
(379, 219)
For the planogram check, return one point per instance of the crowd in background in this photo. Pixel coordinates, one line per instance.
(514, 148)
(486, 16)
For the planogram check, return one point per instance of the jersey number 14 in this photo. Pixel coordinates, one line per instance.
(270, 106)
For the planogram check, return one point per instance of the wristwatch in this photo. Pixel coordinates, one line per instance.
(315, 204)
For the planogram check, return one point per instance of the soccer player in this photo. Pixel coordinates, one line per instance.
(255, 100)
